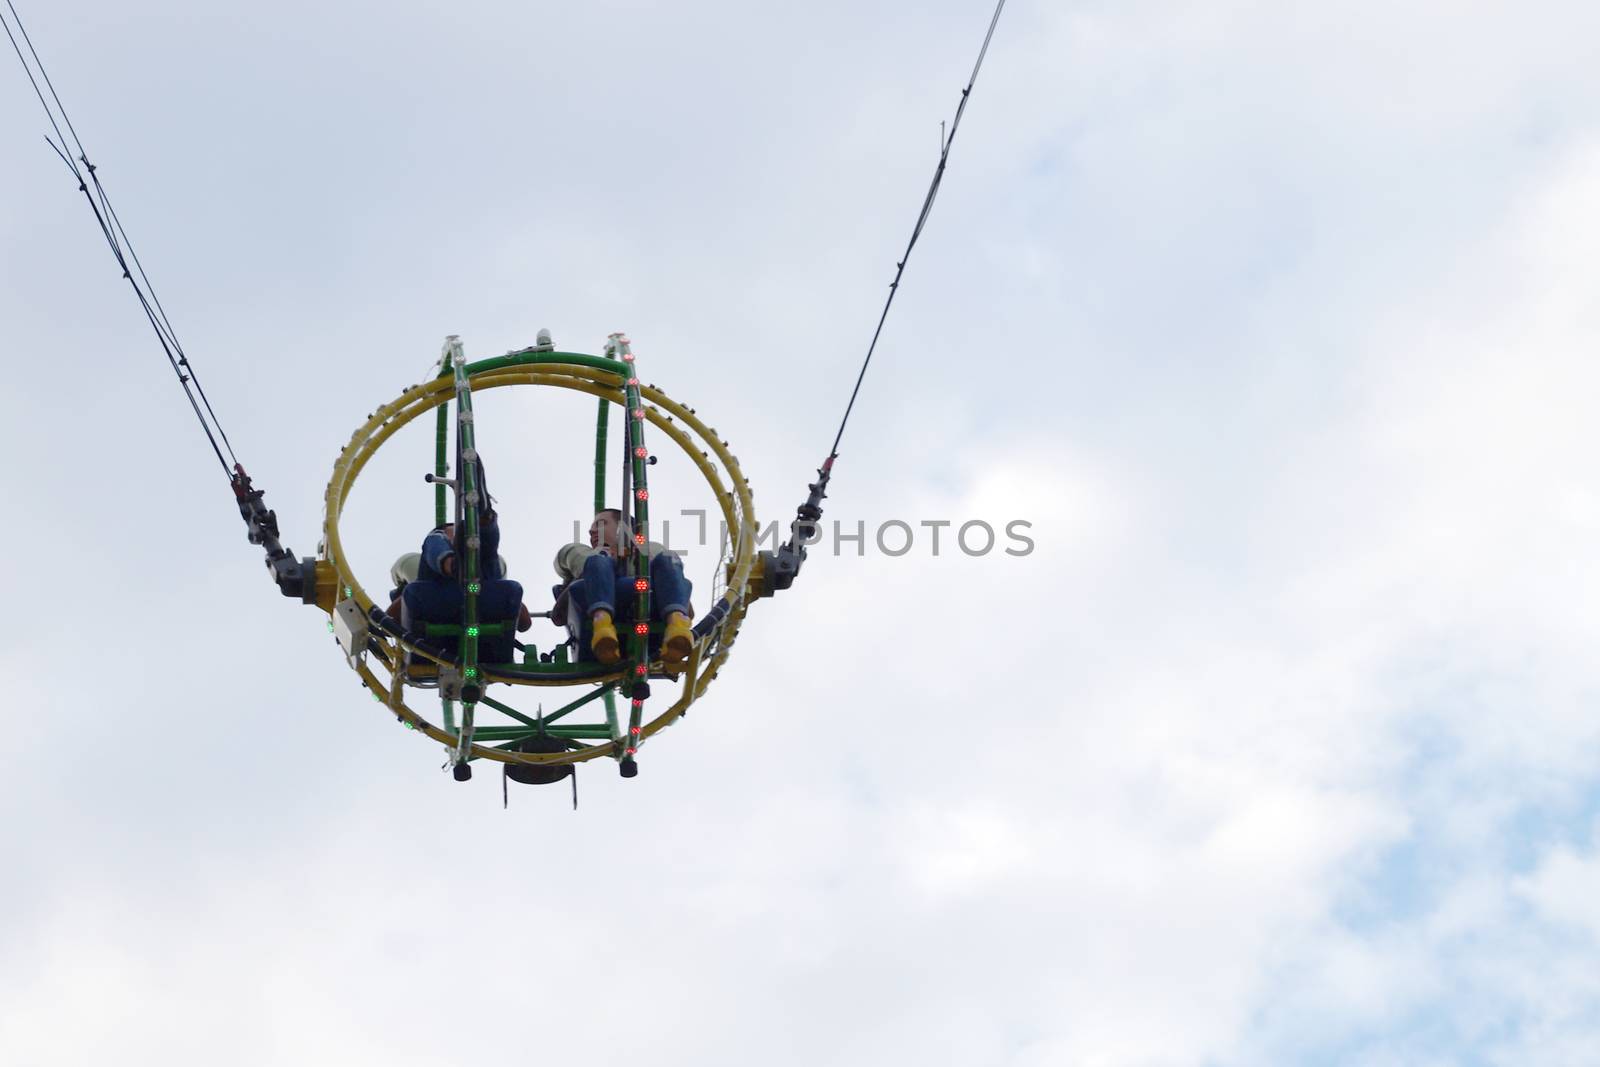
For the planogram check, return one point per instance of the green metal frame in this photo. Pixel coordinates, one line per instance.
(620, 361)
(636, 503)
(601, 419)
(469, 503)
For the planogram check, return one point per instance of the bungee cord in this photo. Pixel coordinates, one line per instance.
(784, 564)
(117, 238)
(916, 231)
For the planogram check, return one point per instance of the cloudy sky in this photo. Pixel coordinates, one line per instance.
(1275, 321)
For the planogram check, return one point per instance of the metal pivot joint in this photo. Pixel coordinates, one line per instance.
(294, 577)
(783, 566)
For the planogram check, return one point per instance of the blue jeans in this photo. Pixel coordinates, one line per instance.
(669, 592)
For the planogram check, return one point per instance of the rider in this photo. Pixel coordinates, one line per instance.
(436, 596)
(602, 591)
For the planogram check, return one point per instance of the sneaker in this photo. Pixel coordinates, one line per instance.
(604, 642)
(678, 640)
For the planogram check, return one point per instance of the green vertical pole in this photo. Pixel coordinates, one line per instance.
(600, 455)
(611, 718)
(600, 426)
(470, 495)
(472, 503)
(441, 457)
(636, 502)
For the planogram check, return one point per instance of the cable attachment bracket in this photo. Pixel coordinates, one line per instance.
(780, 568)
(294, 577)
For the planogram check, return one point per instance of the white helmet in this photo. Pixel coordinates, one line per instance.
(408, 566)
(405, 569)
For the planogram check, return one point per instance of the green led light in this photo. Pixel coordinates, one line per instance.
(472, 672)
(472, 631)
(330, 626)
(474, 588)
(348, 592)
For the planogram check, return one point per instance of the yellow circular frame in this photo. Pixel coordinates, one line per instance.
(665, 414)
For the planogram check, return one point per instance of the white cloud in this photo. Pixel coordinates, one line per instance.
(1565, 890)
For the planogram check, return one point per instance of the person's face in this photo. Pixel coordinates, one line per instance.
(603, 531)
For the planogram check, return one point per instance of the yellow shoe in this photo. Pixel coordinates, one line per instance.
(604, 642)
(678, 641)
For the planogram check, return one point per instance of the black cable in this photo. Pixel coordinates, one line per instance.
(46, 75)
(26, 69)
(117, 239)
(172, 334)
(916, 232)
(161, 337)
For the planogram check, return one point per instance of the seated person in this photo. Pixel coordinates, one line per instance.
(600, 591)
(436, 595)
(402, 574)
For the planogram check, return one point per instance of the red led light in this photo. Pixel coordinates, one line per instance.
(639, 414)
(633, 381)
(641, 627)
(640, 669)
(641, 452)
(638, 703)
(643, 494)
(634, 730)
(638, 539)
(627, 357)
(632, 751)
(641, 584)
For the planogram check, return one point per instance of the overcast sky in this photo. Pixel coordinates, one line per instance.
(1275, 321)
